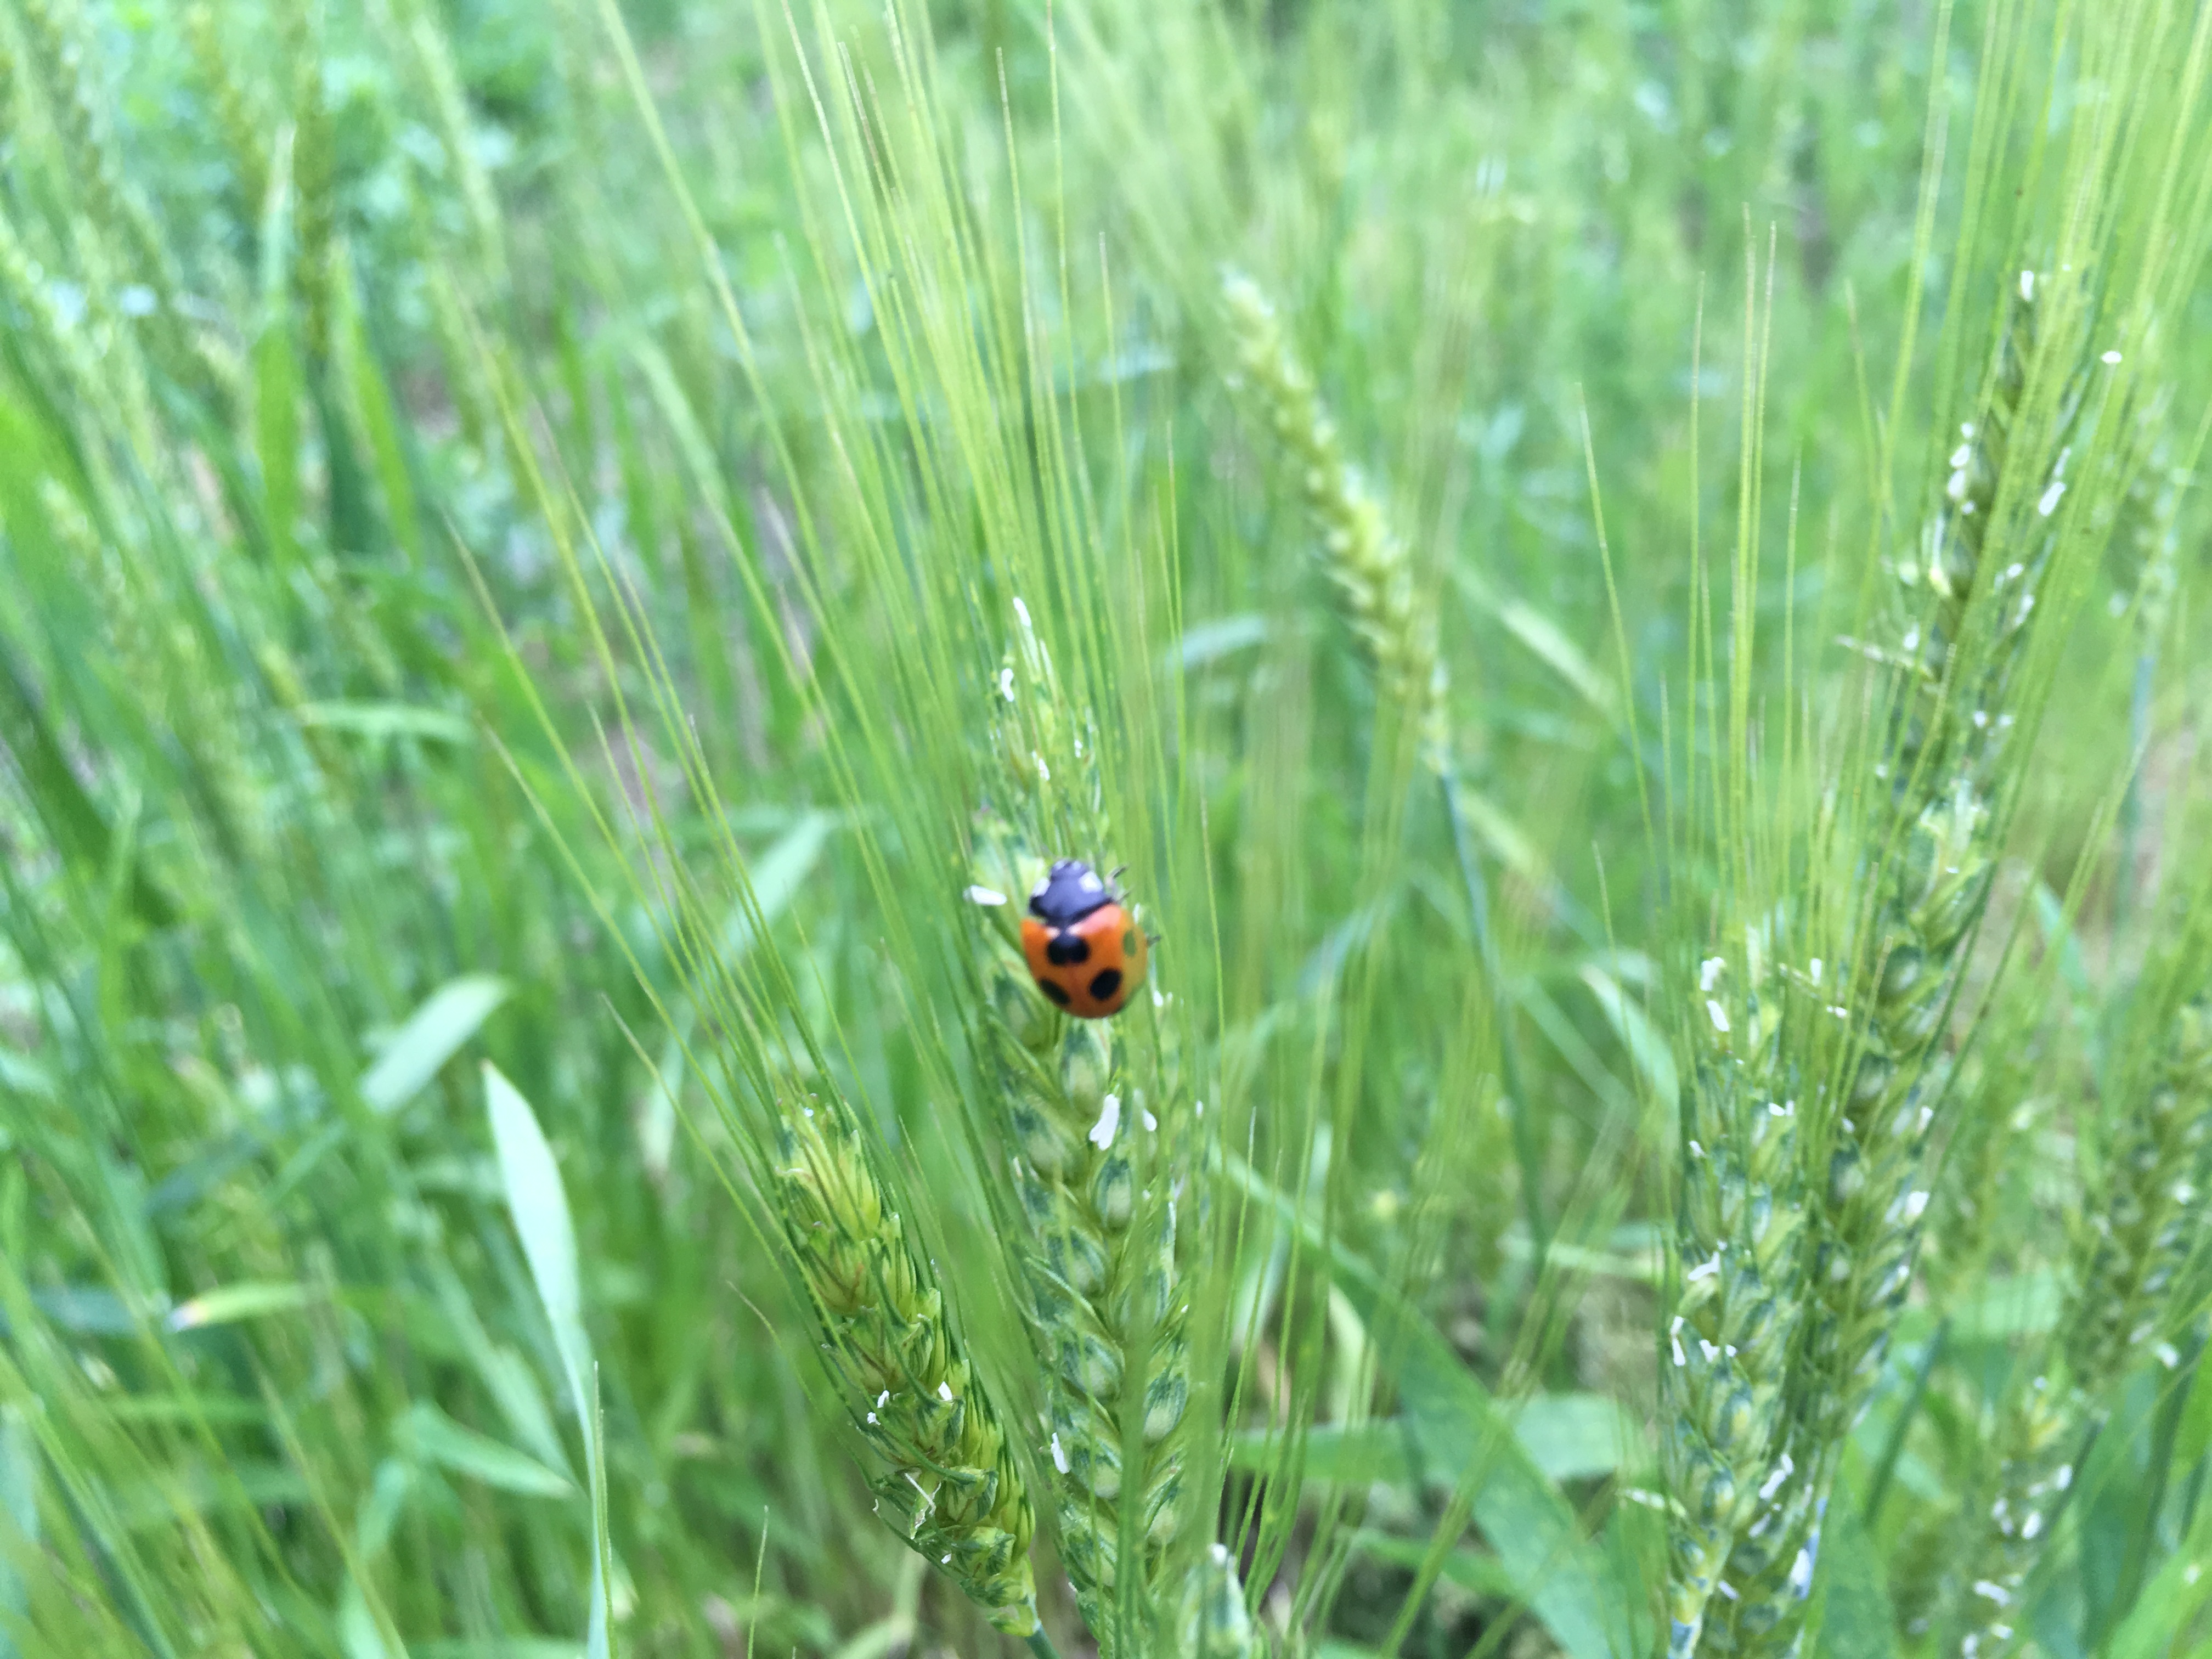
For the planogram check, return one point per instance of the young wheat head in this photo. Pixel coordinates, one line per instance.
(1370, 566)
(1737, 1222)
(952, 1489)
(2136, 1234)
(1932, 856)
(1095, 1114)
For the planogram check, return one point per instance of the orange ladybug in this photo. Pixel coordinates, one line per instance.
(1084, 947)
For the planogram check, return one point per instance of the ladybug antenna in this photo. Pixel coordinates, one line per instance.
(1114, 874)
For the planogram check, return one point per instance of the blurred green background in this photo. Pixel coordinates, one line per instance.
(300, 301)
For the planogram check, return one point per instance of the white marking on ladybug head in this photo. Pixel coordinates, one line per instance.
(1042, 888)
(1090, 883)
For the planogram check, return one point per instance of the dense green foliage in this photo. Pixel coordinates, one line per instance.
(1624, 579)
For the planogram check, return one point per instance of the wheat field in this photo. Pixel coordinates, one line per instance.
(1608, 592)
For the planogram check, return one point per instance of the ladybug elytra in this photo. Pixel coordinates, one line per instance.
(1083, 948)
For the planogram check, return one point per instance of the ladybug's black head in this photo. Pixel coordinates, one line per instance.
(1070, 892)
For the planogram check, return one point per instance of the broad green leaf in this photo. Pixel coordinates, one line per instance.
(1359, 1453)
(1507, 842)
(71, 818)
(372, 402)
(187, 1408)
(229, 1303)
(2175, 1596)
(379, 1514)
(1532, 1529)
(2194, 1438)
(2008, 1305)
(1210, 641)
(1458, 1428)
(23, 1075)
(1647, 1045)
(18, 1516)
(1575, 1436)
(431, 1036)
(436, 1439)
(277, 378)
(1547, 640)
(87, 1309)
(1569, 1437)
(158, 1500)
(384, 721)
(893, 1634)
(1561, 654)
(357, 1631)
(775, 878)
(540, 1208)
(513, 1382)
(1856, 1621)
(1470, 1569)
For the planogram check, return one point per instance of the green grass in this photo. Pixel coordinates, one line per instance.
(511, 523)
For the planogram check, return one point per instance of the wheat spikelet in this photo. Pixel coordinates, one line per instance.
(1371, 567)
(2136, 1235)
(953, 1491)
(1223, 1627)
(1933, 862)
(1737, 1222)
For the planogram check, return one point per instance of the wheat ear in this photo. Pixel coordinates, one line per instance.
(2135, 1236)
(232, 106)
(1370, 564)
(1095, 1115)
(1739, 1290)
(952, 1489)
(1933, 859)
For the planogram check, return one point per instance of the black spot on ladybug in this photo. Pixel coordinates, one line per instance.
(1065, 947)
(1053, 991)
(1107, 982)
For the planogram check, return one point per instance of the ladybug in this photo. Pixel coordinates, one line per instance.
(1083, 945)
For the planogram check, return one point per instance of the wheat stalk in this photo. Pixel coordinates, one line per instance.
(954, 1490)
(1933, 858)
